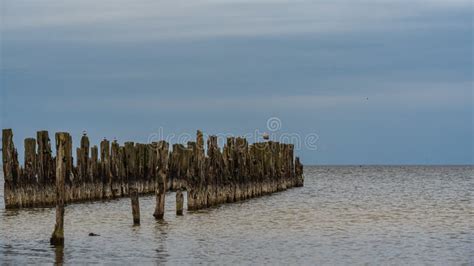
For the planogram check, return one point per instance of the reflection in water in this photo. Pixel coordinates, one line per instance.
(7, 252)
(59, 255)
(387, 215)
(161, 229)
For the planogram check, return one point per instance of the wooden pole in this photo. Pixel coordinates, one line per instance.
(200, 198)
(45, 161)
(161, 179)
(105, 169)
(46, 169)
(192, 176)
(152, 155)
(30, 160)
(61, 168)
(10, 168)
(115, 162)
(83, 160)
(179, 202)
(27, 180)
(131, 163)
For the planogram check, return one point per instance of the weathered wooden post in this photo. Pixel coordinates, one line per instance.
(200, 197)
(152, 155)
(61, 170)
(115, 169)
(28, 175)
(30, 159)
(46, 171)
(192, 175)
(299, 173)
(44, 157)
(105, 169)
(70, 171)
(179, 202)
(123, 170)
(96, 185)
(161, 178)
(10, 168)
(83, 160)
(131, 161)
(140, 170)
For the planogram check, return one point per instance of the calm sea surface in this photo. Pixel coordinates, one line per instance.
(343, 215)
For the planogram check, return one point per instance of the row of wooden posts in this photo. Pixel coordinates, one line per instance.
(237, 172)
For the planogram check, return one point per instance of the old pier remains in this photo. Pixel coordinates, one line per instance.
(210, 176)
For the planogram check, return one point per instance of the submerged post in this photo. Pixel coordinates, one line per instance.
(61, 168)
(131, 159)
(179, 202)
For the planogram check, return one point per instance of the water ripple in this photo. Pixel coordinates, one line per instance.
(343, 215)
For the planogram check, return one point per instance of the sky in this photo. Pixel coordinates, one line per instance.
(346, 81)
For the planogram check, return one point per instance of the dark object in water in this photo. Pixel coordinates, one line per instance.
(92, 234)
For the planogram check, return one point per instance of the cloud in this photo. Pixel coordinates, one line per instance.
(144, 20)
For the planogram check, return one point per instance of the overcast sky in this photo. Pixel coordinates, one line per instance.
(378, 82)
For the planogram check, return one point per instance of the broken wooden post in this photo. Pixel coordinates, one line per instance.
(179, 202)
(45, 161)
(200, 198)
(61, 170)
(131, 160)
(105, 168)
(192, 175)
(212, 168)
(83, 159)
(10, 168)
(115, 169)
(140, 170)
(96, 185)
(161, 178)
(30, 159)
(27, 180)
(46, 170)
(152, 155)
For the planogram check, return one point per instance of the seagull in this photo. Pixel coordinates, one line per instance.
(84, 133)
(265, 136)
